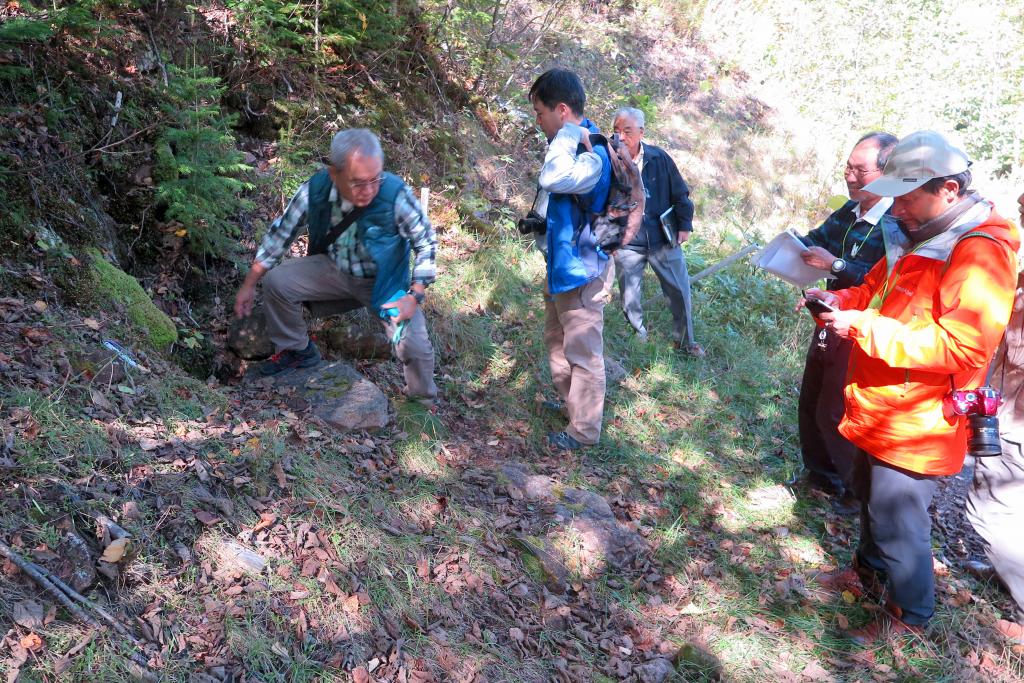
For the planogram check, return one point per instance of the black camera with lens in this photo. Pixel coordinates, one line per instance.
(533, 223)
(980, 406)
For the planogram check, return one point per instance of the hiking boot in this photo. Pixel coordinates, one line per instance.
(813, 481)
(980, 569)
(695, 350)
(884, 628)
(856, 579)
(846, 505)
(553, 406)
(561, 441)
(289, 360)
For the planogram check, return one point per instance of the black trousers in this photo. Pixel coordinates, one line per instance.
(825, 451)
(895, 533)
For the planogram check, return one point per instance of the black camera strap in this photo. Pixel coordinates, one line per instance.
(327, 240)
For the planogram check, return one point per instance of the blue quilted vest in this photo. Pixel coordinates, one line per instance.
(376, 231)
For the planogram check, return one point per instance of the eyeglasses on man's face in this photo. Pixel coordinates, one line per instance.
(860, 171)
(366, 184)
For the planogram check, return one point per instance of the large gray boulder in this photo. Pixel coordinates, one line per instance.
(337, 394)
(582, 534)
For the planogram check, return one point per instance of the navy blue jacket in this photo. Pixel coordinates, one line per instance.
(858, 243)
(664, 187)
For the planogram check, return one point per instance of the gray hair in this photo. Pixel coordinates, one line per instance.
(631, 113)
(885, 141)
(353, 140)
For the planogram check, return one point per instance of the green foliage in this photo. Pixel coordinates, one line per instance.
(113, 285)
(199, 162)
(484, 42)
(646, 104)
(41, 23)
(959, 69)
(277, 29)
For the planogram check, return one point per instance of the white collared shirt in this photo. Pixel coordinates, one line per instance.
(875, 213)
(639, 159)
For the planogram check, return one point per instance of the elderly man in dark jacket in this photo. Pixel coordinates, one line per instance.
(659, 238)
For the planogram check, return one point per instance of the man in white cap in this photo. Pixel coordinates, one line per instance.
(995, 503)
(922, 328)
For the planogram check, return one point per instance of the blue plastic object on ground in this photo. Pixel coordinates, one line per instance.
(386, 313)
(123, 354)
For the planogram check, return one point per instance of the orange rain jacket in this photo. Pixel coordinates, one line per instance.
(923, 322)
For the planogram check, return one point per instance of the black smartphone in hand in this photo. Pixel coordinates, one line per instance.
(817, 306)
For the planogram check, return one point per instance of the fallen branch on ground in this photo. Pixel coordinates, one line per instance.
(728, 260)
(68, 597)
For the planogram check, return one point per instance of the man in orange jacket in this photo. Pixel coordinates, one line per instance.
(928, 324)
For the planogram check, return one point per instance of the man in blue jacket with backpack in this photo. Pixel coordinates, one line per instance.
(576, 177)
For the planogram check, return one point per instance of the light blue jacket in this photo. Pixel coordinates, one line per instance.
(578, 183)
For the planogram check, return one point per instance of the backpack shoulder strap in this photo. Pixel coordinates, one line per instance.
(966, 235)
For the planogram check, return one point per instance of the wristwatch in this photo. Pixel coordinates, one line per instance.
(838, 266)
(418, 296)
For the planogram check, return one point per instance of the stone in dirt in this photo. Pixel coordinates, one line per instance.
(78, 562)
(337, 393)
(247, 337)
(357, 334)
(234, 557)
(614, 371)
(579, 519)
(655, 671)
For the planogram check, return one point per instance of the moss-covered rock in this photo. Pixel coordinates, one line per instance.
(113, 285)
(165, 167)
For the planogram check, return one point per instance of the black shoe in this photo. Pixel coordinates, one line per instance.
(814, 481)
(980, 568)
(288, 360)
(553, 406)
(846, 505)
(561, 441)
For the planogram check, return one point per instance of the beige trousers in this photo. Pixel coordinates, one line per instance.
(574, 337)
(316, 278)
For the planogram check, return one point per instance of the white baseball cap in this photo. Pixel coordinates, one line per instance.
(915, 160)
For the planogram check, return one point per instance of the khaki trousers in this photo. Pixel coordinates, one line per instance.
(995, 506)
(574, 337)
(317, 278)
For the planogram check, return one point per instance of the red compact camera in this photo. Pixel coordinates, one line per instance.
(980, 401)
(980, 406)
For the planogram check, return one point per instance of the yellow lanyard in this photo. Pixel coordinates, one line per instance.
(878, 299)
(857, 247)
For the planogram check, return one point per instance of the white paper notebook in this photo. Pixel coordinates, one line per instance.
(781, 257)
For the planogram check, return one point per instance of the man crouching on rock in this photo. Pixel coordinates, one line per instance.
(361, 222)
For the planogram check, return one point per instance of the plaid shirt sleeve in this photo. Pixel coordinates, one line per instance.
(414, 225)
(840, 234)
(285, 229)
